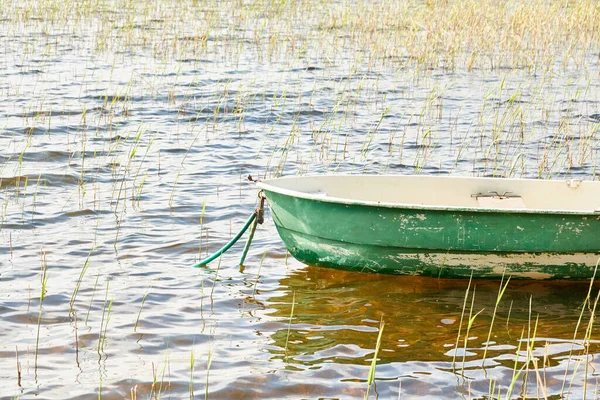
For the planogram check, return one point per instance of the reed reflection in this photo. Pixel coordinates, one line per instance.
(336, 317)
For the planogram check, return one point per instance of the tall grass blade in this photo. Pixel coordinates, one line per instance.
(371, 377)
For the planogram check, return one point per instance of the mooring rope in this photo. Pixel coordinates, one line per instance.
(257, 217)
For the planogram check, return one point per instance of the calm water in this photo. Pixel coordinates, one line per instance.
(120, 168)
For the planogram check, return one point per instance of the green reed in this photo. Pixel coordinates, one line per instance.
(371, 376)
(87, 316)
(287, 336)
(44, 283)
(501, 291)
(157, 389)
(208, 363)
(470, 321)
(526, 362)
(84, 270)
(192, 365)
(585, 304)
(106, 313)
(460, 324)
(137, 320)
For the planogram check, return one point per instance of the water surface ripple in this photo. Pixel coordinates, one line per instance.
(121, 166)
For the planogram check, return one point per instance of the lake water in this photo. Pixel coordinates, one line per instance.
(124, 161)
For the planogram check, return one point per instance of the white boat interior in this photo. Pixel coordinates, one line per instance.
(446, 192)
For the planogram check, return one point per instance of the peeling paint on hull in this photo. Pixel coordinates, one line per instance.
(399, 261)
(437, 243)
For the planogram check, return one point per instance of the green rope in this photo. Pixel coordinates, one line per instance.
(248, 242)
(228, 245)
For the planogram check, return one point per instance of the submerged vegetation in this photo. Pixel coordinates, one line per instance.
(127, 128)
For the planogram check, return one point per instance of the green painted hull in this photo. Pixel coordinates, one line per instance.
(436, 242)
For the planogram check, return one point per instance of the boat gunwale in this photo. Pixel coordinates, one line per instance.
(410, 206)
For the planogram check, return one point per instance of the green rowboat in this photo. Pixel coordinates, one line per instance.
(440, 226)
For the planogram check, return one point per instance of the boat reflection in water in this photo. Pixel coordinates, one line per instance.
(337, 314)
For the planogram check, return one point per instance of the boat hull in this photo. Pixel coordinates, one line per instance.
(438, 243)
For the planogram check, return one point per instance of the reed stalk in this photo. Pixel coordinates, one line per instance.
(287, 337)
(44, 282)
(501, 291)
(192, 363)
(137, 320)
(371, 376)
(462, 315)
